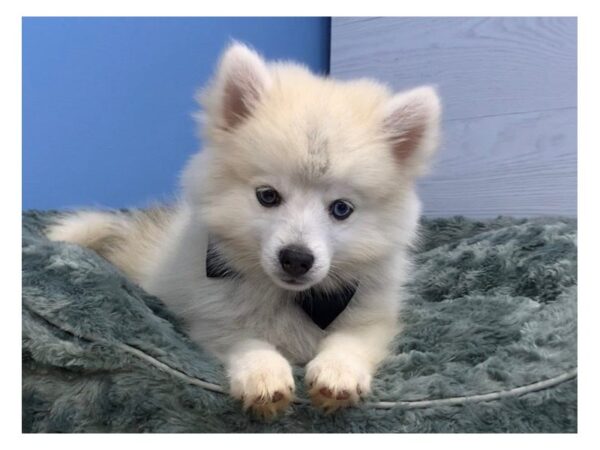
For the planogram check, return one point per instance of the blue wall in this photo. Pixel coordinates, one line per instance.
(107, 102)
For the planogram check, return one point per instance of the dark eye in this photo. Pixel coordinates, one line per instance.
(341, 209)
(267, 196)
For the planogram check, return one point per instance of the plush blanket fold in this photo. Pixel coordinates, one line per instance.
(489, 343)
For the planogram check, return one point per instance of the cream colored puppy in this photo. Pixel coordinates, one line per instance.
(290, 241)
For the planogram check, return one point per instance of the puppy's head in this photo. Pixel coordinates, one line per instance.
(306, 179)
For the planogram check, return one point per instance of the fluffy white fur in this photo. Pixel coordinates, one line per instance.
(315, 140)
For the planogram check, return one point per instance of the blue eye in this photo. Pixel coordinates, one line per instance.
(341, 209)
(267, 196)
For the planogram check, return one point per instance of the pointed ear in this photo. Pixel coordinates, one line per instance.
(412, 126)
(242, 78)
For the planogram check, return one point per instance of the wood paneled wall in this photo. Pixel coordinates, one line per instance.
(509, 90)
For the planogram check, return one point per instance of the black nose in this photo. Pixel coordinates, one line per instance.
(296, 260)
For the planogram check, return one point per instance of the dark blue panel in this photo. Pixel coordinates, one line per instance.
(107, 102)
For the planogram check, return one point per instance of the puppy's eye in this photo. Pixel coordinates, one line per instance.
(341, 209)
(267, 196)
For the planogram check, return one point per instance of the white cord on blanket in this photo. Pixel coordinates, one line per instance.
(408, 404)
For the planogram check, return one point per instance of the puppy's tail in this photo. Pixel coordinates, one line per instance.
(125, 239)
(95, 230)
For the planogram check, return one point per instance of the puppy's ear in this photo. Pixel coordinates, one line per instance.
(412, 125)
(242, 78)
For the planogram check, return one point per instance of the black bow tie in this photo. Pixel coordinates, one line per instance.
(321, 306)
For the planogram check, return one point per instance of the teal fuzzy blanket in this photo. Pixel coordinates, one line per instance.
(489, 344)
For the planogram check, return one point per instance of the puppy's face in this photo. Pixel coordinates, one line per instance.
(305, 179)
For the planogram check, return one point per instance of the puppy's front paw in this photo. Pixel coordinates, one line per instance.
(337, 381)
(263, 381)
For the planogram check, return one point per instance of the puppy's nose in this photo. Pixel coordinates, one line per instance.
(296, 260)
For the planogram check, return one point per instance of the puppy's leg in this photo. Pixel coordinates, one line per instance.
(260, 377)
(340, 375)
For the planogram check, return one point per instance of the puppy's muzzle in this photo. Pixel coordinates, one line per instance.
(296, 260)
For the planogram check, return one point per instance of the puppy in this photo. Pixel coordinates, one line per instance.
(290, 241)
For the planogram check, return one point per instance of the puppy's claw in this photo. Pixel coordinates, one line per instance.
(344, 395)
(325, 392)
(266, 407)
